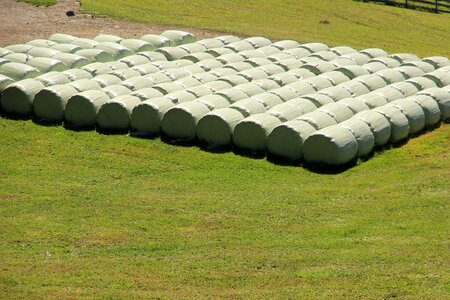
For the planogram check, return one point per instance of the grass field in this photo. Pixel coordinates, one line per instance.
(109, 216)
(40, 2)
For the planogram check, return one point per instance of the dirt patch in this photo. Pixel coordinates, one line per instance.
(22, 22)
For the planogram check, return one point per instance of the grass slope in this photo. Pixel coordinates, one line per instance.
(356, 24)
(85, 214)
(40, 2)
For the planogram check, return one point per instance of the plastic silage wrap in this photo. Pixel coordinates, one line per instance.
(179, 37)
(17, 57)
(397, 119)
(301, 87)
(82, 85)
(437, 61)
(209, 64)
(335, 77)
(19, 48)
(334, 145)
(107, 79)
(250, 89)
(353, 71)
(95, 55)
(136, 83)
(387, 61)
(135, 60)
(125, 73)
(71, 60)
(172, 53)
(251, 133)
(107, 38)
(374, 52)
(41, 43)
(318, 83)
(49, 103)
(318, 119)
(325, 55)
(18, 71)
(153, 56)
(355, 88)
(314, 47)
(442, 97)
(258, 61)
(181, 96)
(196, 57)
(230, 58)
(279, 57)
(343, 50)
(62, 38)
(358, 58)
(356, 105)
(406, 88)
(136, 45)
(441, 78)
(4, 51)
(240, 46)
(372, 81)
(66, 48)
(422, 83)
(404, 57)
(146, 69)
(413, 112)
(115, 114)
(336, 93)
(378, 124)
(410, 71)
(146, 117)
(227, 39)
(374, 67)
(18, 97)
(284, 93)
(194, 48)
(77, 74)
(430, 108)
(389, 93)
(44, 64)
(53, 78)
(422, 65)
(318, 99)
(211, 43)
(82, 108)
(363, 135)
(158, 41)
(4, 82)
(319, 67)
(287, 111)
(85, 43)
(117, 90)
(339, 112)
(216, 52)
(248, 107)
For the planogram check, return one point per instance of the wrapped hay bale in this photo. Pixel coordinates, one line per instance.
(180, 121)
(319, 67)
(176, 74)
(251, 133)
(153, 56)
(285, 93)
(269, 50)
(335, 77)
(209, 64)
(397, 119)
(258, 61)
(266, 84)
(391, 75)
(253, 74)
(4, 82)
(44, 64)
(422, 65)
(115, 114)
(125, 74)
(372, 82)
(409, 71)
(211, 43)
(442, 97)
(158, 41)
(258, 41)
(136, 83)
(356, 105)
(117, 90)
(378, 124)
(116, 50)
(406, 88)
(318, 83)
(18, 97)
(216, 52)
(239, 46)
(107, 79)
(339, 112)
(194, 48)
(301, 87)
(230, 58)
(404, 57)
(314, 47)
(279, 57)
(222, 72)
(181, 96)
(358, 57)
(267, 99)
(334, 145)
(17, 57)
(49, 103)
(288, 64)
(318, 119)
(422, 83)
(301, 73)
(72, 61)
(248, 107)
(343, 50)
(413, 112)
(374, 67)
(374, 52)
(233, 80)
(286, 140)
(202, 90)
(82, 85)
(325, 55)
(430, 108)
(4, 51)
(172, 53)
(19, 48)
(77, 74)
(343, 62)
(147, 94)
(168, 87)
(387, 61)
(41, 43)
(372, 100)
(287, 111)
(232, 94)
(205, 77)
(441, 78)
(389, 93)
(213, 102)
(227, 39)
(251, 54)
(283, 79)
(353, 71)
(66, 48)
(62, 38)
(179, 37)
(318, 99)
(146, 69)
(136, 45)
(102, 38)
(18, 71)
(95, 55)
(437, 61)
(196, 57)
(135, 60)
(336, 92)
(363, 135)
(85, 43)
(251, 89)
(355, 88)
(82, 108)
(53, 78)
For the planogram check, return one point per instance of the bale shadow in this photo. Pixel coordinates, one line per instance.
(13, 117)
(178, 142)
(249, 154)
(105, 131)
(206, 147)
(329, 169)
(78, 128)
(46, 123)
(146, 136)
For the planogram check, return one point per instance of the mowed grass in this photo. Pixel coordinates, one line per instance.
(40, 2)
(352, 23)
(91, 215)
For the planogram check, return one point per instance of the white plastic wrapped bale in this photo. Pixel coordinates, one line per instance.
(107, 38)
(117, 90)
(211, 43)
(136, 45)
(66, 48)
(430, 108)
(71, 60)
(358, 57)
(95, 55)
(437, 61)
(355, 88)
(339, 112)
(284, 78)
(53, 78)
(335, 77)
(325, 55)
(153, 56)
(286, 140)
(196, 57)
(336, 93)
(230, 58)
(258, 61)
(251, 133)
(125, 74)
(18, 97)
(49, 103)
(179, 37)
(410, 71)
(227, 39)
(42, 52)
(279, 57)
(387, 61)
(4, 82)
(115, 114)
(343, 62)
(318, 83)
(413, 112)
(422, 83)
(180, 121)
(391, 75)
(442, 97)
(205, 77)
(146, 69)
(17, 57)
(379, 125)
(314, 47)
(44, 64)
(248, 107)
(213, 101)
(374, 67)
(85, 43)
(441, 78)
(108, 79)
(81, 109)
(82, 85)
(356, 105)
(135, 60)
(285, 93)
(146, 116)
(372, 99)
(374, 52)
(319, 67)
(194, 48)
(404, 57)
(157, 40)
(397, 119)
(168, 87)
(287, 111)
(62, 38)
(209, 64)
(269, 100)
(18, 71)
(4, 51)
(234, 80)
(318, 99)
(389, 93)
(343, 50)
(252, 53)
(136, 83)
(318, 119)
(77, 74)
(363, 135)
(334, 145)
(172, 53)
(222, 72)
(422, 65)
(258, 41)
(353, 71)
(19, 48)
(269, 50)
(372, 81)
(41, 43)
(158, 78)
(266, 84)
(201, 90)
(253, 74)
(406, 88)
(216, 52)
(181, 96)
(250, 89)
(240, 46)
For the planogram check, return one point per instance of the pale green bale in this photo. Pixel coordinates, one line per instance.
(172, 53)
(267, 99)
(216, 127)
(441, 78)
(227, 39)
(252, 53)
(181, 63)
(422, 83)
(158, 78)
(153, 56)
(222, 72)
(343, 50)
(136, 45)
(372, 82)
(301, 73)
(179, 37)
(158, 41)
(286, 111)
(286, 140)
(135, 60)
(437, 61)
(430, 108)
(146, 69)
(286, 45)
(344, 62)
(96, 68)
(4, 51)
(82, 108)
(136, 83)
(253, 74)
(251, 89)
(389, 93)
(230, 58)
(125, 74)
(18, 58)
(213, 101)
(336, 93)
(232, 94)
(334, 145)
(164, 64)
(399, 123)
(379, 125)
(266, 84)
(413, 112)
(211, 43)
(189, 81)
(181, 96)
(298, 52)
(318, 67)
(196, 57)
(62, 38)
(49, 103)
(335, 77)
(205, 77)
(353, 71)
(41, 43)
(209, 64)
(284, 78)
(410, 71)
(251, 133)
(194, 48)
(18, 97)
(77, 74)
(355, 88)
(45, 65)
(146, 116)
(233, 80)
(442, 97)
(240, 46)
(318, 99)
(85, 43)
(356, 105)
(313, 60)
(82, 85)
(325, 55)
(193, 69)
(202, 90)
(374, 67)
(181, 120)
(72, 61)
(116, 90)
(19, 48)
(258, 41)
(168, 87)
(404, 57)
(176, 74)
(374, 52)
(101, 38)
(147, 94)
(18, 71)
(406, 88)
(318, 119)
(279, 57)
(301, 87)
(285, 93)
(358, 57)
(258, 61)
(319, 83)
(4, 82)
(216, 52)
(387, 61)
(95, 55)
(339, 112)
(53, 78)
(248, 107)
(363, 135)
(314, 47)
(285, 65)
(239, 66)
(116, 50)
(422, 65)
(107, 79)
(115, 114)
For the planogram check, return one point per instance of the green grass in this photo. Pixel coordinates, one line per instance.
(356, 24)
(40, 2)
